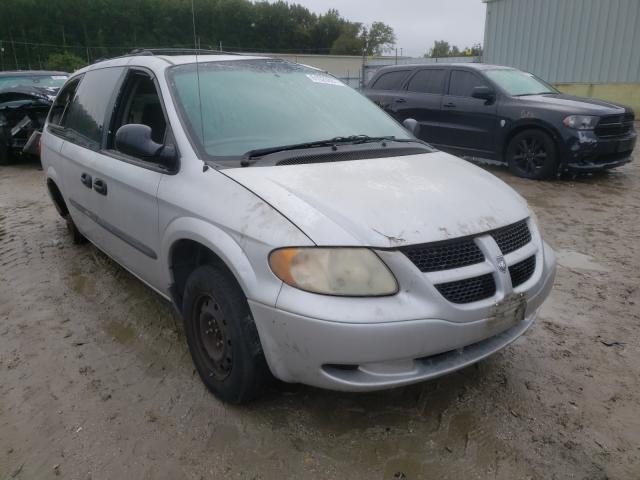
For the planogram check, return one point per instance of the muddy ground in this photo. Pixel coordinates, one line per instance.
(96, 380)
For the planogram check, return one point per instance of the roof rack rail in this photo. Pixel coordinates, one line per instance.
(177, 51)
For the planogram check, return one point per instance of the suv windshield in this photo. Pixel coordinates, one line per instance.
(55, 81)
(259, 104)
(518, 83)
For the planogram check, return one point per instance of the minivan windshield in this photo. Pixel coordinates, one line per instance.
(259, 104)
(518, 83)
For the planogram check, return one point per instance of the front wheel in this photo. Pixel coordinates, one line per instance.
(222, 336)
(5, 153)
(532, 154)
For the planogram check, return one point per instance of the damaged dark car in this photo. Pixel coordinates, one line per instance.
(25, 99)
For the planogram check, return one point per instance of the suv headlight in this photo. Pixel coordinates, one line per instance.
(343, 271)
(581, 122)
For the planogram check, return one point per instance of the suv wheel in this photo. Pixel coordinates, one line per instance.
(222, 336)
(532, 154)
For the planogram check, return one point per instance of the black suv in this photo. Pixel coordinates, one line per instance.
(505, 114)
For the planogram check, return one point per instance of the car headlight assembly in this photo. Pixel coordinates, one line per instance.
(581, 122)
(341, 271)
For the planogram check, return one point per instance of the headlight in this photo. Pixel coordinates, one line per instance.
(581, 122)
(351, 272)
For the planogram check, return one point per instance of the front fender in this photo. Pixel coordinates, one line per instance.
(261, 285)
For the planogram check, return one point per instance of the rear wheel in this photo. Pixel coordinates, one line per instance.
(532, 154)
(222, 336)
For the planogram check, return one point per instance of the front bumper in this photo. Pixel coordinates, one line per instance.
(357, 355)
(586, 152)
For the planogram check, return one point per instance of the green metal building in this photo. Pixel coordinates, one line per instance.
(584, 47)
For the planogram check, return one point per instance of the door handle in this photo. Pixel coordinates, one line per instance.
(100, 186)
(449, 105)
(400, 100)
(85, 178)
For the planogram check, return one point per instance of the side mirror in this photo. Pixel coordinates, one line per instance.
(483, 93)
(412, 125)
(135, 139)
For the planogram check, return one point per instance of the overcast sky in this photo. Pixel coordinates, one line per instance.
(417, 23)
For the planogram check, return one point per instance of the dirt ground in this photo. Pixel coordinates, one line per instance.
(96, 380)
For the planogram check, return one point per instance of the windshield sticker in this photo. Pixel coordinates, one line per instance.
(59, 77)
(326, 79)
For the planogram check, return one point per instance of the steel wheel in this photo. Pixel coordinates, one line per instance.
(212, 336)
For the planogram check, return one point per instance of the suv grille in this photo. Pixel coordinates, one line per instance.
(522, 271)
(468, 290)
(615, 125)
(512, 237)
(432, 257)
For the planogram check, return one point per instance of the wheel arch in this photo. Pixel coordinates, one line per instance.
(521, 126)
(191, 243)
(56, 197)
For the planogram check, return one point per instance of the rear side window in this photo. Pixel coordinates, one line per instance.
(463, 82)
(62, 102)
(391, 80)
(85, 117)
(427, 81)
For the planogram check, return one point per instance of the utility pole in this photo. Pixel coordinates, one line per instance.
(396, 56)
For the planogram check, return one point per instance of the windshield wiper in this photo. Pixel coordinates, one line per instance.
(538, 93)
(350, 140)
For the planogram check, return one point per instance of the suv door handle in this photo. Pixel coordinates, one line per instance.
(449, 105)
(85, 178)
(400, 100)
(100, 186)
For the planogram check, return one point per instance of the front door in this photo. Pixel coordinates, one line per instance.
(469, 125)
(127, 202)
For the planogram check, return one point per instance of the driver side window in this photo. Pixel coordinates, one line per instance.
(139, 103)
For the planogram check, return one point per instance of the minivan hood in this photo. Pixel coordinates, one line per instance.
(576, 105)
(386, 202)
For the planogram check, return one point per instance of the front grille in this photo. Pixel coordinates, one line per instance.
(432, 257)
(522, 271)
(512, 237)
(468, 290)
(615, 126)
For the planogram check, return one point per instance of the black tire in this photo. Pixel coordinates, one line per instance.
(76, 237)
(5, 153)
(222, 336)
(532, 154)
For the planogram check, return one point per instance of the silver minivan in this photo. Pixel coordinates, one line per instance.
(301, 232)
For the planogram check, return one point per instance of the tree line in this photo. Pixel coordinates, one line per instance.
(442, 48)
(65, 34)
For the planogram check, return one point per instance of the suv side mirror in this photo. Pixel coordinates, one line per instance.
(483, 93)
(135, 139)
(412, 125)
